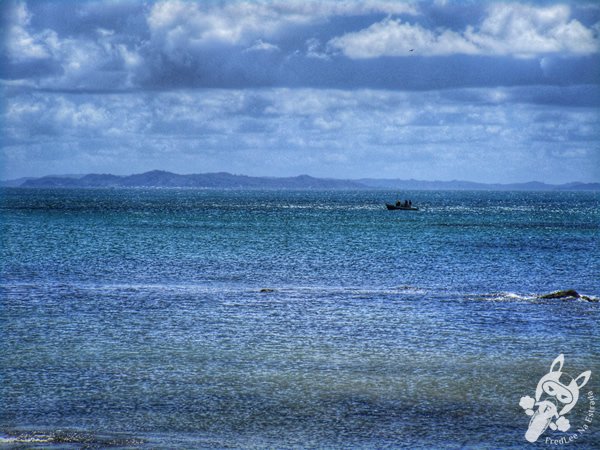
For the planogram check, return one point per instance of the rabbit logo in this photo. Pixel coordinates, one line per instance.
(556, 394)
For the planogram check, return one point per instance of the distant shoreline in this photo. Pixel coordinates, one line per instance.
(224, 180)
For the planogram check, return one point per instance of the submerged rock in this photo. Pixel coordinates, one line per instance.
(569, 293)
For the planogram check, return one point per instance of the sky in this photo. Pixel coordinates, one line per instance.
(432, 90)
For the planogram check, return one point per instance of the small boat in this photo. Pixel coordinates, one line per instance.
(401, 207)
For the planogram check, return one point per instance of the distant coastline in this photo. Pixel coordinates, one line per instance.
(224, 180)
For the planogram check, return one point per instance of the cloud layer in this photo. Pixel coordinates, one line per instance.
(497, 134)
(133, 45)
(485, 91)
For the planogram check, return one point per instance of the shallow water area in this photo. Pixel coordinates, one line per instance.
(259, 319)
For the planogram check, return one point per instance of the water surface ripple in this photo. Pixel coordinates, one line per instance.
(253, 319)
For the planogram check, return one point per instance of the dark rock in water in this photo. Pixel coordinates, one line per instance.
(264, 290)
(562, 294)
(569, 293)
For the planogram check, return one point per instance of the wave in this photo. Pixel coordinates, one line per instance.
(279, 291)
(502, 297)
(70, 438)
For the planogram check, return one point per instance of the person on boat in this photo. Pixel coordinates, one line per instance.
(405, 203)
(398, 203)
(410, 203)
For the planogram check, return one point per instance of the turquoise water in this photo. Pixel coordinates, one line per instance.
(138, 318)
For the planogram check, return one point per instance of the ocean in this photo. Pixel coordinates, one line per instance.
(181, 318)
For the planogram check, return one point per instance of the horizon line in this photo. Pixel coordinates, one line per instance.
(455, 180)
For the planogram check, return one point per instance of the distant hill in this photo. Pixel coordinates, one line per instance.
(15, 183)
(456, 185)
(224, 180)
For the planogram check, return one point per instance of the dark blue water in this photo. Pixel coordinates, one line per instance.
(139, 318)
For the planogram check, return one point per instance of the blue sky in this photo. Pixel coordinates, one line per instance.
(436, 90)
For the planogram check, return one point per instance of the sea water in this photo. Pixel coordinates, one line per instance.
(167, 318)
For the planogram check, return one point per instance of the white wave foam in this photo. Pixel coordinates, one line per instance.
(503, 297)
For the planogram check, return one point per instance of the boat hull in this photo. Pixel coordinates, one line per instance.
(391, 207)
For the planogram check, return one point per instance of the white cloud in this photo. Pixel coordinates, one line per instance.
(326, 8)
(527, 30)
(181, 25)
(508, 29)
(97, 62)
(260, 45)
(394, 38)
(32, 117)
(20, 43)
